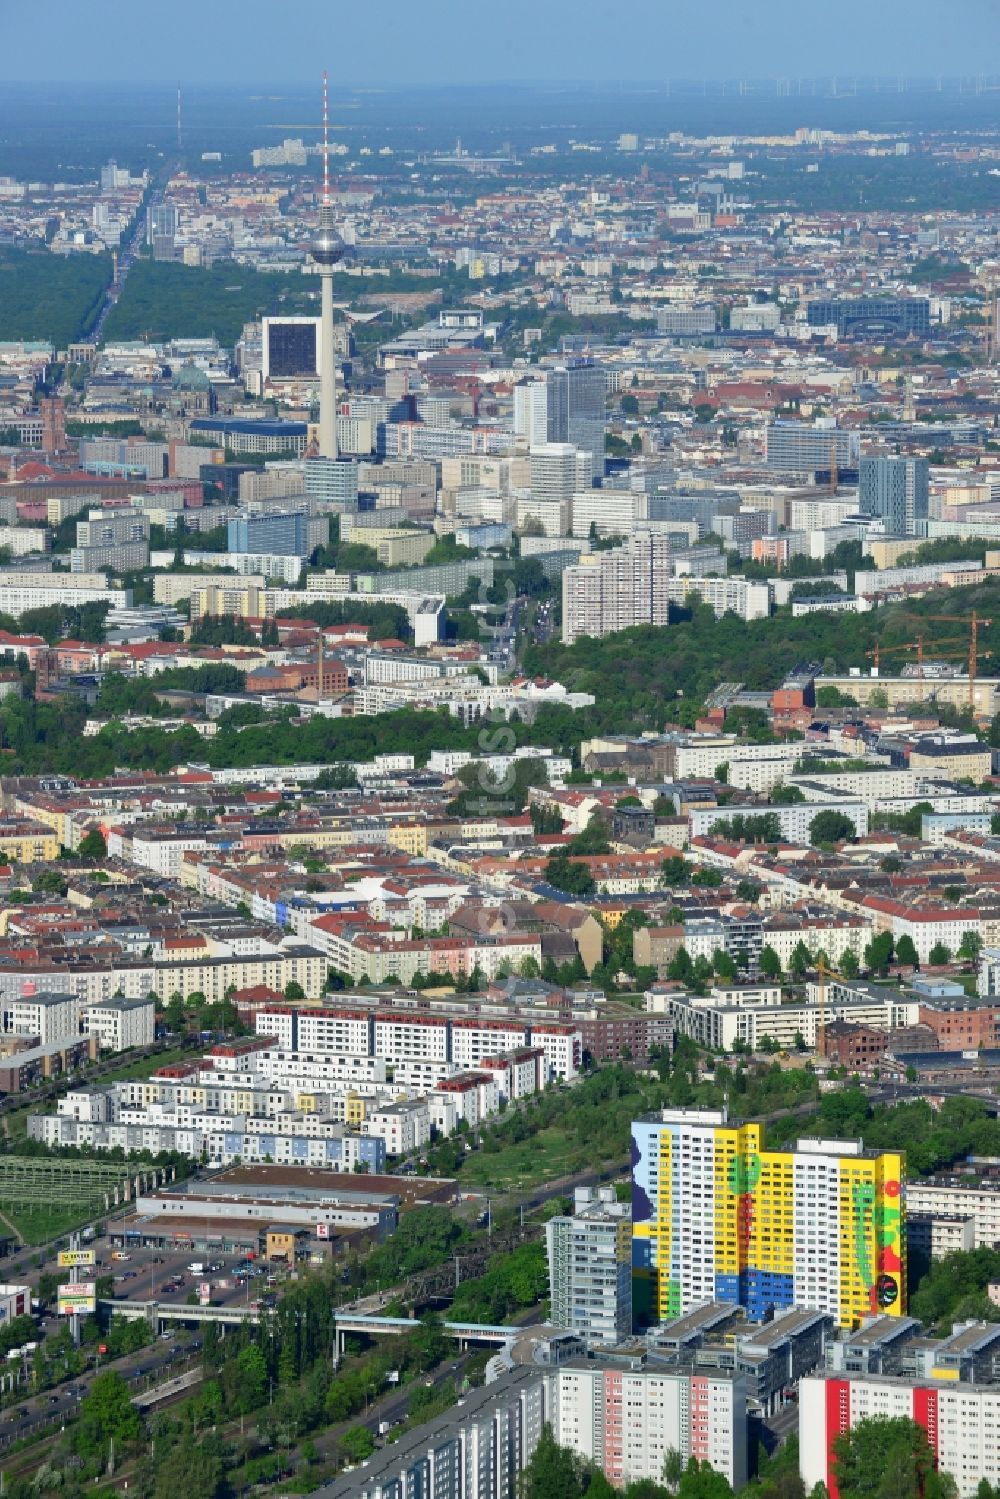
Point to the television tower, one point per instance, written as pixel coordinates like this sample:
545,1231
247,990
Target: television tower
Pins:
327,251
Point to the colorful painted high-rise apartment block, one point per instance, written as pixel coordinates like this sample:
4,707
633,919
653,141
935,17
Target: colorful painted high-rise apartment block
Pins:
717,1217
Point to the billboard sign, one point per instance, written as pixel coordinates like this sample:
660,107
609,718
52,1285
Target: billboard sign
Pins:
79,1300
70,1258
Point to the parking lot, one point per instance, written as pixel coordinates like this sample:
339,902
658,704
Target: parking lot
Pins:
165,1275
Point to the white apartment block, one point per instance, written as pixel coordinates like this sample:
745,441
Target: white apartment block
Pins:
50,1017
794,820
404,1126
610,512
722,1025
558,470
214,976
737,596
962,1422
627,1420
978,1201
120,1024
536,511
20,591
611,591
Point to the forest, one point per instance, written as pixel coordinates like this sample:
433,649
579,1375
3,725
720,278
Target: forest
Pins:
46,296
648,676
167,300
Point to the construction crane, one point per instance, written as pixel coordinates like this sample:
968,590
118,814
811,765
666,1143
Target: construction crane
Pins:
887,650
823,974
975,623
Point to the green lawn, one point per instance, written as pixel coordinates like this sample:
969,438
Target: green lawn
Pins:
39,1226
545,1157
143,1066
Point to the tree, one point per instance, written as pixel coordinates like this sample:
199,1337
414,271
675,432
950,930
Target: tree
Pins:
106,1414
887,1458
247,1380
906,952
357,1443
748,890
769,963
724,966
93,846
849,964
939,955
786,796
681,968
970,946
801,959
878,953
674,871
294,990
569,875
828,828
701,1481
194,1469
49,882
553,1472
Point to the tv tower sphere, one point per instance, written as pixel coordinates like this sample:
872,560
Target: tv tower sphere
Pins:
328,247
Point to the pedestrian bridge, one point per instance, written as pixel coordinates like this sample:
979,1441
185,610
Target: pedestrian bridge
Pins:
156,1313
374,1327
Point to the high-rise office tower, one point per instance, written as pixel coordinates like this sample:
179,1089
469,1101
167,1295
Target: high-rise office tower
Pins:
557,470
715,1216
590,1267
576,409
327,251
283,533
531,413
162,221
895,490
802,447
609,591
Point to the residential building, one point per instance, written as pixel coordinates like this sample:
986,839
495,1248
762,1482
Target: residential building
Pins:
962,1422
795,821
590,1267
53,1018
614,590
717,1217
474,1450
959,1198
626,1419
120,1024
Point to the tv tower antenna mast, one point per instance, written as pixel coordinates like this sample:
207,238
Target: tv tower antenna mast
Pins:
327,251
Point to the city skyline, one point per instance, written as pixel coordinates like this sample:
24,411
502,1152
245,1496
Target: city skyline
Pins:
559,43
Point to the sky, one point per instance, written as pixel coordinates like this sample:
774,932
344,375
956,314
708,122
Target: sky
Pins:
426,42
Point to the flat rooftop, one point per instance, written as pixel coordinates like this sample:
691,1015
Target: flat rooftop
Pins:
410,1191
